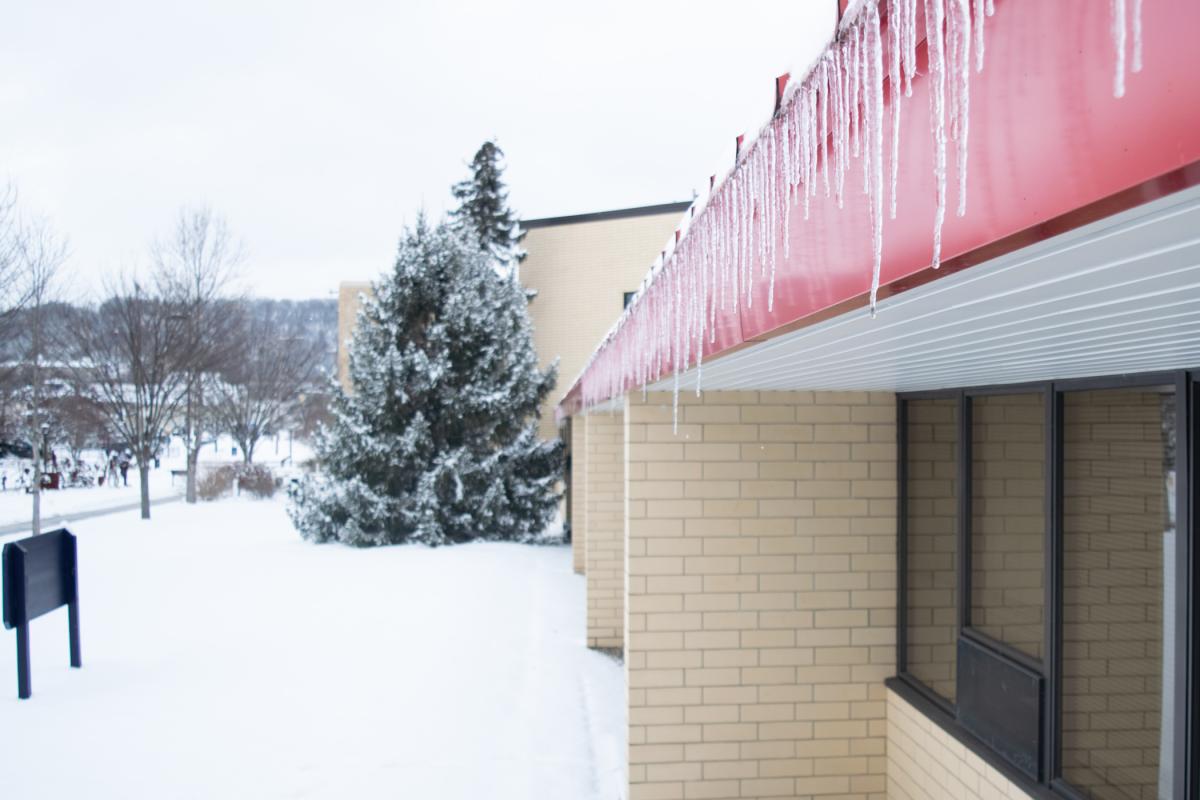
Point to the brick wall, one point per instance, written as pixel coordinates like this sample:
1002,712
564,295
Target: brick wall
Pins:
350,300
926,763
578,480
761,594
605,545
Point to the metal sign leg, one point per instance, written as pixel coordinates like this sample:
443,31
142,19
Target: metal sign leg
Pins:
24,689
73,625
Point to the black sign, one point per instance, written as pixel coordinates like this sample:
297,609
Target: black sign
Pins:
40,575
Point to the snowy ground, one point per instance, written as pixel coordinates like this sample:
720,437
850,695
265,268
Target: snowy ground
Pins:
224,657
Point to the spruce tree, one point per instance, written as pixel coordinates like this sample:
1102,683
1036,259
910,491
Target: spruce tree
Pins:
438,441
483,207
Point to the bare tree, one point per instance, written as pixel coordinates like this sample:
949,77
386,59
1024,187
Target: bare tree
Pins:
40,253
195,267
12,287
261,388
132,353
13,297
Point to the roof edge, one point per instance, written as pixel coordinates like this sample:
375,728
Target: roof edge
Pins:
598,216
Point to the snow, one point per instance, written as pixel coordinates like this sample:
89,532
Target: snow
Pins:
225,657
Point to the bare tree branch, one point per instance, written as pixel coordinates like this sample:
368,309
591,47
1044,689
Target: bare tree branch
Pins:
195,268
258,391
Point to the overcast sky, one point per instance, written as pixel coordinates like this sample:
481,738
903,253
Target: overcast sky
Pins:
319,129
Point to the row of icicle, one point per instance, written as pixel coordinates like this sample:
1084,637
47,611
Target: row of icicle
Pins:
834,115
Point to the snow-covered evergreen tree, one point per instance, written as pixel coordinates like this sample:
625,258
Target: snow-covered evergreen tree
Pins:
483,207
438,442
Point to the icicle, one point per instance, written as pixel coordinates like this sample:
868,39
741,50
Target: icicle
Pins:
789,142
951,56
910,43
866,81
1118,34
934,13
675,355
853,76
875,128
810,137
773,195
979,16
839,116
991,7
894,28
1137,36
961,22
823,96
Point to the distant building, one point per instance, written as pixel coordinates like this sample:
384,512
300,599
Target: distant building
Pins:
350,299
584,269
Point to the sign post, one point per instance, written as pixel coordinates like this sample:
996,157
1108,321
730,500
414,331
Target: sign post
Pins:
40,575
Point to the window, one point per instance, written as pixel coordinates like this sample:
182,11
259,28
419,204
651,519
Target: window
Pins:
1118,548
932,475
1008,519
1045,570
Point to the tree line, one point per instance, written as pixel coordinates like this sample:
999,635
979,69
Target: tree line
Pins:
170,348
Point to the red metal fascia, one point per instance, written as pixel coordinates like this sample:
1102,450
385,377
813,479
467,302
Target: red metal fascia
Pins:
1048,140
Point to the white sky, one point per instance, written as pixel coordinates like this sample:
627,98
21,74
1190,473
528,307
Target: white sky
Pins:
318,129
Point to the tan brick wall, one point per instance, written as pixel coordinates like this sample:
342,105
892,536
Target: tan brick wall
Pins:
761,594
1114,520
350,296
606,530
926,763
581,271
578,480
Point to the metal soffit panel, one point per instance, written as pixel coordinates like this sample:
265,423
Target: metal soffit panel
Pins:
1121,295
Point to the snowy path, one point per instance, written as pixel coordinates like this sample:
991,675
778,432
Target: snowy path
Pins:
224,657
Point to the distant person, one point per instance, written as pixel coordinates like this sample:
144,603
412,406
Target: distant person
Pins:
4,482
113,472
125,470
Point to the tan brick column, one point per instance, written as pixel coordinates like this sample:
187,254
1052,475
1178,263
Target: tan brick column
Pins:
605,545
578,491
761,594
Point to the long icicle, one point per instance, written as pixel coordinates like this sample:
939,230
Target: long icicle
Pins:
1136,65
875,83
1118,35
935,38
962,96
979,17
894,29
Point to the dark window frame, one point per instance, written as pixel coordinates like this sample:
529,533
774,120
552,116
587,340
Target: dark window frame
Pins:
1186,742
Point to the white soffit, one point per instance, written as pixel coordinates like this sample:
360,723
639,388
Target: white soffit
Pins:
1121,295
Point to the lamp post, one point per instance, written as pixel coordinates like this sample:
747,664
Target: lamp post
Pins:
39,461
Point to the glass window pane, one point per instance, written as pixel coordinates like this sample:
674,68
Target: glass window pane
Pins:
932,520
1118,568
1008,519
